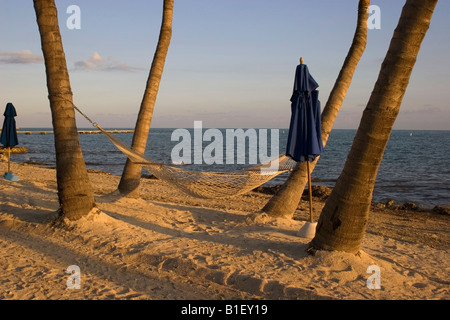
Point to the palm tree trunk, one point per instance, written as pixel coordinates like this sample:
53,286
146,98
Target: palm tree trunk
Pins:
343,221
286,200
75,192
129,183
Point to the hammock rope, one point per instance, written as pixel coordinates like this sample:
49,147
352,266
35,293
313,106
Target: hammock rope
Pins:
201,184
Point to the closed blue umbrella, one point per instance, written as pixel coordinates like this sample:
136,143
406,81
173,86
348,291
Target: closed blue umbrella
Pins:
8,137
305,139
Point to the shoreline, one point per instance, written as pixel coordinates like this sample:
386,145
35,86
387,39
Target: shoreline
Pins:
395,181
169,246
321,191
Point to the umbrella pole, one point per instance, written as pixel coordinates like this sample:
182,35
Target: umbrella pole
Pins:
310,194
9,159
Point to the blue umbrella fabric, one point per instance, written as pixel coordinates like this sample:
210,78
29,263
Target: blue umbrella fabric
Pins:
8,137
304,141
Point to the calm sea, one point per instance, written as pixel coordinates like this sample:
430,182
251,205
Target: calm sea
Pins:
415,166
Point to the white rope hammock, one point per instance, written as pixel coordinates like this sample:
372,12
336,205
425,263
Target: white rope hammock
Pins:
205,184
202,184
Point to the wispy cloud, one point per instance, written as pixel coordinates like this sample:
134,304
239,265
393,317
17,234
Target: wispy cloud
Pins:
98,63
21,57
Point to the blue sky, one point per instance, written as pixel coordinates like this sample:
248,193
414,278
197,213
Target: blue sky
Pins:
231,63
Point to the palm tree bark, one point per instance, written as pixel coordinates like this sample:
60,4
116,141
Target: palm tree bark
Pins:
75,192
286,200
130,180
343,220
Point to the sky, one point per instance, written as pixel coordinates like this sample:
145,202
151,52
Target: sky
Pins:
231,63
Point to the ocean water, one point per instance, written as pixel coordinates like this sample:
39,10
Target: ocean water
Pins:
415,166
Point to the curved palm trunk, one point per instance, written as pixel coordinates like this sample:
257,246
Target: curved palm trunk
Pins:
343,221
131,176
285,201
75,192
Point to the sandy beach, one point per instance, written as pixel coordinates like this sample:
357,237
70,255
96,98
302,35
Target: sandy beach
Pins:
169,246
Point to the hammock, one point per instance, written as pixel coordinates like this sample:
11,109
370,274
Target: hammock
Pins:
201,184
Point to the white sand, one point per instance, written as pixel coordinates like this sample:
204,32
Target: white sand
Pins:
169,246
